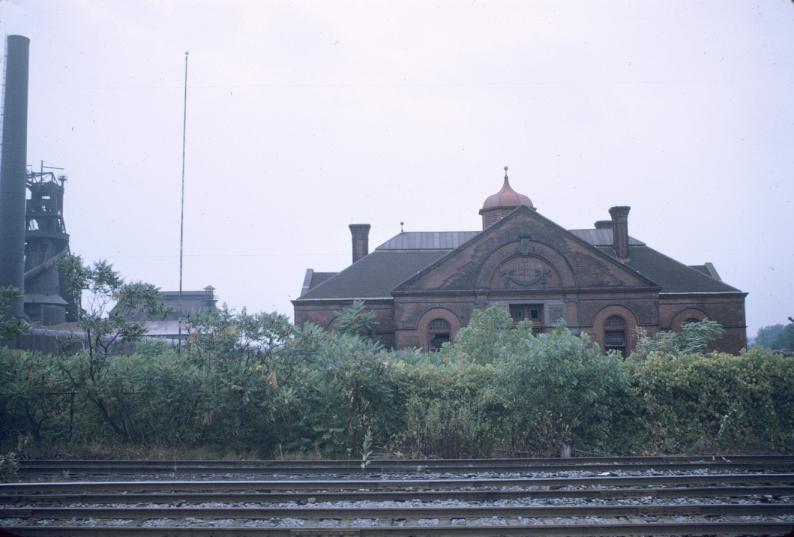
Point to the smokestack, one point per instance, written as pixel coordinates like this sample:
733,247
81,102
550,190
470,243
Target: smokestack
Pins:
360,233
620,231
13,166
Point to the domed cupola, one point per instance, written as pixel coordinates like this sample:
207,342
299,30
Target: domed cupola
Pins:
498,205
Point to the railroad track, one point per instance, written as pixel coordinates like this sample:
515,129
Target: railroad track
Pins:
607,529
698,503
346,467
398,484
302,498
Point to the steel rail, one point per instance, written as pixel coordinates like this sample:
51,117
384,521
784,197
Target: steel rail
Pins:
616,529
318,497
400,513
414,462
125,468
394,484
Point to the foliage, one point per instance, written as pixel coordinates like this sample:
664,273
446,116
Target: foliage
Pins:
9,465
351,387
449,410
255,384
777,337
109,323
356,320
247,365
10,326
694,337
490,337
559,391
36,403
113,305
716,402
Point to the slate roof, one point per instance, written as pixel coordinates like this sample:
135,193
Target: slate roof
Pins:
405,254
320,277
374,275
599,237
428,240
672,276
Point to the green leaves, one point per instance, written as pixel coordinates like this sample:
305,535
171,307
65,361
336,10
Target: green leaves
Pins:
776,337
356,320
254,383
559,390
10,326
694,337
716,402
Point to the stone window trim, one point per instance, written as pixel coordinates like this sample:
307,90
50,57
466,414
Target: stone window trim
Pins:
686,315
433,315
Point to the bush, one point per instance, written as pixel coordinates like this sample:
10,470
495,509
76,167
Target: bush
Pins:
716,402
255,384
449,411
347,388
9,465
561,391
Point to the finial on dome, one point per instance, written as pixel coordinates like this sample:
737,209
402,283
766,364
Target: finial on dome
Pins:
501,203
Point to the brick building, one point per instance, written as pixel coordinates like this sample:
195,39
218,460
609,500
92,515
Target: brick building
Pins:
424,286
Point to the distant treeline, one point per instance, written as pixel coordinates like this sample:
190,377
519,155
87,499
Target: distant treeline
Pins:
256,384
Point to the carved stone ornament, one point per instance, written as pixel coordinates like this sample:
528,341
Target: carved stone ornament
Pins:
525,272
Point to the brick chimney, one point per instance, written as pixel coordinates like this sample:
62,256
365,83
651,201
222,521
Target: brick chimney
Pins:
360,235
620,231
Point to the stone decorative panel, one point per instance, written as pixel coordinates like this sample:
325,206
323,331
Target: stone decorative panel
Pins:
524,272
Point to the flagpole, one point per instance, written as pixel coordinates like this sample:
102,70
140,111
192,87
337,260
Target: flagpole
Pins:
182,211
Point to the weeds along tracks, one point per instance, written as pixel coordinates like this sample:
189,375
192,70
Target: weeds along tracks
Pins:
747,499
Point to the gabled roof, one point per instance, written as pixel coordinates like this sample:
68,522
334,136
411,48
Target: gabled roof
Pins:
521,212
406,254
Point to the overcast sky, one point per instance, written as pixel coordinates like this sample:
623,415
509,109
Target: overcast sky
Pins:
306,116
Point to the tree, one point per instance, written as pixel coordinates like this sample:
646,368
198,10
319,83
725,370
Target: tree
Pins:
490,337
112,305
693,338
108,322
10,325
776,337
357,320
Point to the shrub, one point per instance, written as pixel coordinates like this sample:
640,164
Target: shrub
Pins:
559,391
256,384
716,402
449,411
9,465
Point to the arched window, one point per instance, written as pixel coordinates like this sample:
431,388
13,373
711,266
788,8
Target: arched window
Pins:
691,320
615,334
438,332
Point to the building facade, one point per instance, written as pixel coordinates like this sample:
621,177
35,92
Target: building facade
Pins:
170,320
424,286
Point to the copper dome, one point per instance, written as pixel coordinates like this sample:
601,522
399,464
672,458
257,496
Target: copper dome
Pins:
506,198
